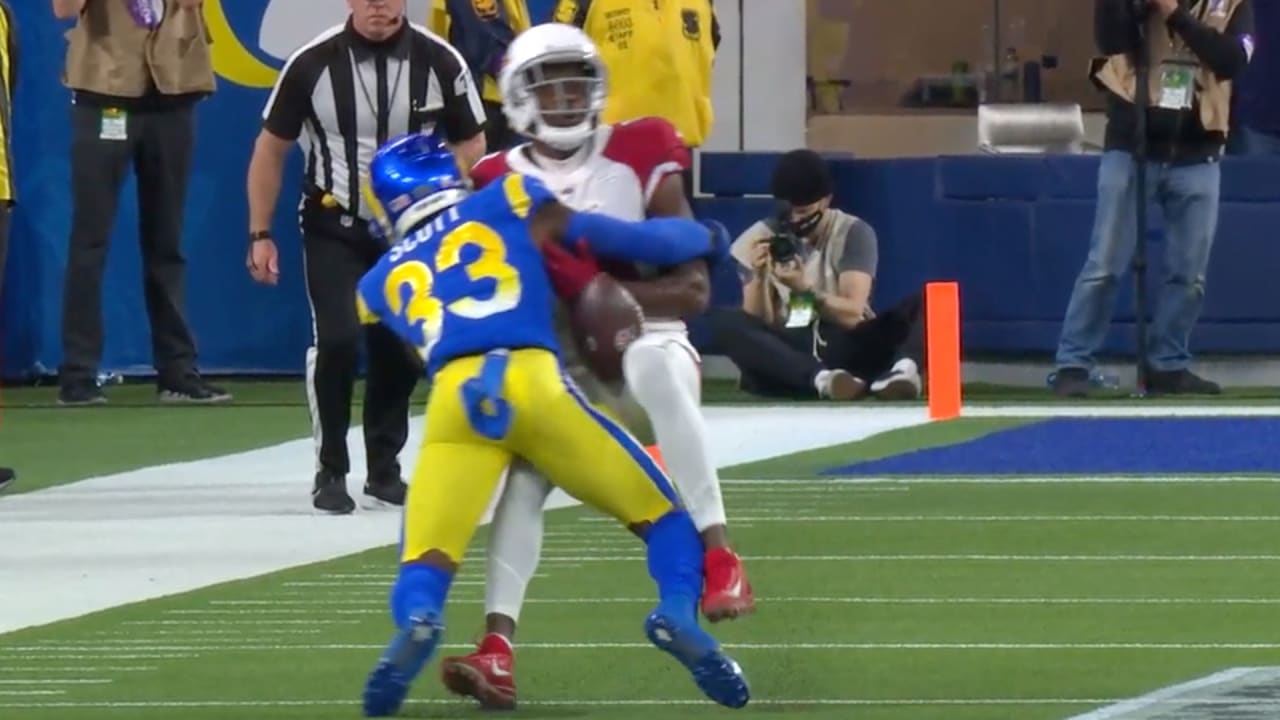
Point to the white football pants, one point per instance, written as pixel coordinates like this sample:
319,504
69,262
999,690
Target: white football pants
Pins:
663,376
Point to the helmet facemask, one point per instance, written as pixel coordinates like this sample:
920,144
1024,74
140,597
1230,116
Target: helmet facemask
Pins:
558,100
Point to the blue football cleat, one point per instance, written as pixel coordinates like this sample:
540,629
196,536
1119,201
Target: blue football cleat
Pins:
410,651
717,675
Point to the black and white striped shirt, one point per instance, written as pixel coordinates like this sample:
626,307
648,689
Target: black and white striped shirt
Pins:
342,97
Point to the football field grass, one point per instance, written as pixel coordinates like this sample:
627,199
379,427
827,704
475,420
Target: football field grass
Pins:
886,600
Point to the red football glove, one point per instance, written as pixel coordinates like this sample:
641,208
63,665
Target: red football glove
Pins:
570,272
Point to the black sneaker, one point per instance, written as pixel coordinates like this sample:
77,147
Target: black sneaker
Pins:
81,393
384,493
7,476
191,389
1179,382
1071,382
330,494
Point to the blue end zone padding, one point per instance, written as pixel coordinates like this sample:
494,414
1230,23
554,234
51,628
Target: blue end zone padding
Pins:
734,174
1096,446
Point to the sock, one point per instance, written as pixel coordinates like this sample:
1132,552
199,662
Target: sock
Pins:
675,563
419,589
664,378
515,541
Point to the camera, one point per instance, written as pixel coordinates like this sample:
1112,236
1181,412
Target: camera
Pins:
784,246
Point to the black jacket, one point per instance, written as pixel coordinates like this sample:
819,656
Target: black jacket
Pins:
1172,135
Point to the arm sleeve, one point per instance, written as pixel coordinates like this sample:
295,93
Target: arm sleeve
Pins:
861,250
1115,26
464,114
290,102
657,241
1226,54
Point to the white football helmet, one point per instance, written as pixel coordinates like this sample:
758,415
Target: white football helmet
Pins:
567,121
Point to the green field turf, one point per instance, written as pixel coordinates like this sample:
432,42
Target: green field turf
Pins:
964,601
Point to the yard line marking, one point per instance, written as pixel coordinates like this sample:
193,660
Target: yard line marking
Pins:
1010,480
236,622
782,516
131,655
384,576
77,668
869,702
822,600
212,633
961,557
68,681
32,692
385,582
735,646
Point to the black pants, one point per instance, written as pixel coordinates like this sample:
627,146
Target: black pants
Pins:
158,146
781,362
336,255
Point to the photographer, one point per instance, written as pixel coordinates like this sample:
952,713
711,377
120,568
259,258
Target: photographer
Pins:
806,327
1194,51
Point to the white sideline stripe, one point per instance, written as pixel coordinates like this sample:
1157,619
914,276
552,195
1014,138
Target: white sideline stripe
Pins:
68,681
837,601
997,518
1160,697
24,650
31,692
385,582
384,576
868,702
1105,410
1010,480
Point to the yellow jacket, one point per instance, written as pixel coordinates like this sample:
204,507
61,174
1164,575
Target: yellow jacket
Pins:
659,54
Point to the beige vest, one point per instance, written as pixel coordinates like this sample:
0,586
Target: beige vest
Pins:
820,267
1118,74
109,54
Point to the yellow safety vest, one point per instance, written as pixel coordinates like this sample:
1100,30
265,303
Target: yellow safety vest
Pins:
659,54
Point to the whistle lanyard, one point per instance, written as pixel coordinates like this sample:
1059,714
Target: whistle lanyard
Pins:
370,102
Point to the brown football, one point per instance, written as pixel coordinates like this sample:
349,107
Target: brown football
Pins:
605,320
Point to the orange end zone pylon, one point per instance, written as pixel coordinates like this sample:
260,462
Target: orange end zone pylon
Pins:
942,344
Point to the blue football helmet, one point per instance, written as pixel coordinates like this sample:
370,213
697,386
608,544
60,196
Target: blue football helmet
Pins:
412,179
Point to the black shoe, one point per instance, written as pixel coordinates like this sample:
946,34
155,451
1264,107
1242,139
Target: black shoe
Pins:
7,476
191,389
1179,382
1071,382
385,493
81,393
330,494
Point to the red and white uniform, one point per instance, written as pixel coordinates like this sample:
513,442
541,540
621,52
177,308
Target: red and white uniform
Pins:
615,174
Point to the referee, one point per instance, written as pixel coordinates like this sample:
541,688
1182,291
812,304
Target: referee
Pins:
340,97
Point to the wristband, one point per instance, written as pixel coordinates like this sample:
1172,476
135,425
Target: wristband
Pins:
259,235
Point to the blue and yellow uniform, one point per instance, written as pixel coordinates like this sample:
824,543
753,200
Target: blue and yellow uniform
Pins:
470,290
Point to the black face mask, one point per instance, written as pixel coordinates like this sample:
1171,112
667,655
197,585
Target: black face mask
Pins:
805,227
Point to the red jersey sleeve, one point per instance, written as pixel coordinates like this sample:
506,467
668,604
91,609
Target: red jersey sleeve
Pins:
490,168
652,148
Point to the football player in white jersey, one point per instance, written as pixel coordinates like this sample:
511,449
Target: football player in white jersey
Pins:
554,89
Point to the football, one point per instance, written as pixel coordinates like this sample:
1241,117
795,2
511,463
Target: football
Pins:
605,320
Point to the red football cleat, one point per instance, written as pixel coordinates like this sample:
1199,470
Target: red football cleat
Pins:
727,593
486,674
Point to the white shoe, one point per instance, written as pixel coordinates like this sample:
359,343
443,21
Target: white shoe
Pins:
839,385
902,382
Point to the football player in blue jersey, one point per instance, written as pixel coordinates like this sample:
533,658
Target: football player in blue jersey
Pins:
467,284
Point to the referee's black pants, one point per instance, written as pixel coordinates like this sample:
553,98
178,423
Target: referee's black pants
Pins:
337,251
